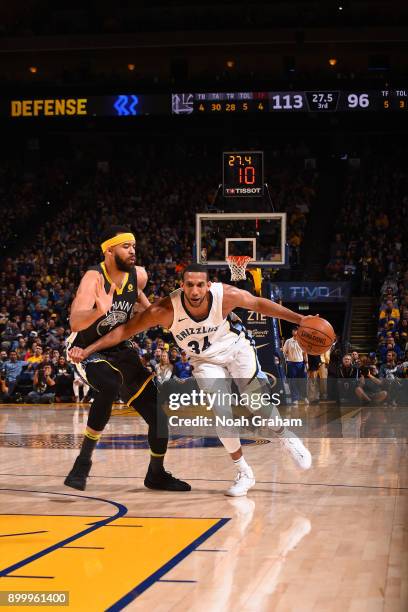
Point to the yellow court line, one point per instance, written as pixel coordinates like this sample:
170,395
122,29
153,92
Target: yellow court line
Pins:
104,566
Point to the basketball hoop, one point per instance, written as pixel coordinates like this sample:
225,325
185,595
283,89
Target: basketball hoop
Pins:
237,265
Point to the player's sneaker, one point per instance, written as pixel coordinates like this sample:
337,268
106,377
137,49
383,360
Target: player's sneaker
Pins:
164,481
76,479
243,482
295,447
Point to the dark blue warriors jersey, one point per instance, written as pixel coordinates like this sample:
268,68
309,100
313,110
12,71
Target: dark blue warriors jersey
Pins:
121,311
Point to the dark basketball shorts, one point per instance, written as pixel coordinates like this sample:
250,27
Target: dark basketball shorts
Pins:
135,377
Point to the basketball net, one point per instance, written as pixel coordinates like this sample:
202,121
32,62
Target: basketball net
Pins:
237,265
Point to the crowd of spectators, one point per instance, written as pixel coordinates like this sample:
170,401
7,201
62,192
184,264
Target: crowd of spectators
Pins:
294,192
343,375
38,285
31,374
22,193
369,249
381,375
370,226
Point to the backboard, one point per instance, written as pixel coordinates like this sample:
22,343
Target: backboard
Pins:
261,236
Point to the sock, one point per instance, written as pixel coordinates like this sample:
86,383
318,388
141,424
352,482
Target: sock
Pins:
88,444
156,463
242,465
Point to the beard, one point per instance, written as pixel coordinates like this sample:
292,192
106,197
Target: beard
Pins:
123,265
197,303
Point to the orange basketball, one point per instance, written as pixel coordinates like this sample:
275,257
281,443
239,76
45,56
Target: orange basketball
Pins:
315,335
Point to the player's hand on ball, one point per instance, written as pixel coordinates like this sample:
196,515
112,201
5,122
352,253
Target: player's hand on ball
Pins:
103,300
77,354
305,317
315,335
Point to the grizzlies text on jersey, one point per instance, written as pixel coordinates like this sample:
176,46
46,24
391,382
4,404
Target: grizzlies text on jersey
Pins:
209,337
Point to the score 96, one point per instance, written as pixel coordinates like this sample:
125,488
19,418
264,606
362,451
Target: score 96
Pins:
358,100
246,171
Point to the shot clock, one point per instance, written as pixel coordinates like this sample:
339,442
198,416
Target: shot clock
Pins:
243,174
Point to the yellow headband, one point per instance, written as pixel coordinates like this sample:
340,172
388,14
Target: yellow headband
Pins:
119,239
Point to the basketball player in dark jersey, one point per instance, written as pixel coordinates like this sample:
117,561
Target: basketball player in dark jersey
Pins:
107,297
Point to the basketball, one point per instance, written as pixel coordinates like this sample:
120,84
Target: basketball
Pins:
315,335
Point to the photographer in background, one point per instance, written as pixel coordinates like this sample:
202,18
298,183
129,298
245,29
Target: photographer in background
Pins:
390,371
369,388
43,386
64,378
347,380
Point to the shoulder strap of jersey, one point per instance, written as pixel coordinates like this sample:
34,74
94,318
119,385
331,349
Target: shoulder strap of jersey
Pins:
175,297
133,278
217,291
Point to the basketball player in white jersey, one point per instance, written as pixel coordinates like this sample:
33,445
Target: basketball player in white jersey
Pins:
200,317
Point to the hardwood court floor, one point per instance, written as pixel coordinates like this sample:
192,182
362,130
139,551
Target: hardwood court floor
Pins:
331,539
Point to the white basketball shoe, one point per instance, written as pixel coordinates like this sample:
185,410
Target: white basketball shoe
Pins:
295,447
243,482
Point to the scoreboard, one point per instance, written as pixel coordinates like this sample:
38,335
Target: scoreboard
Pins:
291,101
132,105
242,174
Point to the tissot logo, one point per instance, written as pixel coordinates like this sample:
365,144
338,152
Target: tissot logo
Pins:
246,190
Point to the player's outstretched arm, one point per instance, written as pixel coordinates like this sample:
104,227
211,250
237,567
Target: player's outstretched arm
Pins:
238,298
157,314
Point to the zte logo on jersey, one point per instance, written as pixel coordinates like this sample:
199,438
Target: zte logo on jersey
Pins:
246,190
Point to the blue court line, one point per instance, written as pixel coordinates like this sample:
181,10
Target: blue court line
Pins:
9,535
211,550
121,511
181,518
311,484
163,580
156,576
85,547
303,484
18,576
133,526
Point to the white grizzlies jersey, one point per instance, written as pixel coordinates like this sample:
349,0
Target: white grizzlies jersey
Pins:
208,337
